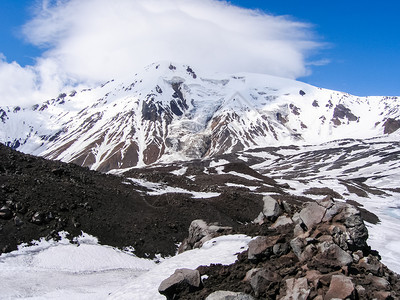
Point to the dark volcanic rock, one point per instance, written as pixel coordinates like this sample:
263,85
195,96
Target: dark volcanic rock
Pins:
50,196
342,112
5,213
391,125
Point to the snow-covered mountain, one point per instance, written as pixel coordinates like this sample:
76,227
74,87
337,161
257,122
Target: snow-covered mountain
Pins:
257,136
172,112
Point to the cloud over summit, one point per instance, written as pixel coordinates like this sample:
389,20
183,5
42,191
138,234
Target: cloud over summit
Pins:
96,40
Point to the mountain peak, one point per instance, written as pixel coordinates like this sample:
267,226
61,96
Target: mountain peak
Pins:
172,111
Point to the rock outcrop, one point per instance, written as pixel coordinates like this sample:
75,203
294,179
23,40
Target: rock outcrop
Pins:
319,252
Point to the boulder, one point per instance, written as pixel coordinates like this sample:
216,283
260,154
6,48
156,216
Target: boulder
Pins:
313,277
349,230
226,295
250,274
341,287
371,264
5,213
262,247
38,218
361,291
298,230
332,255
312,214
201,232
282,221
271,210
280,249
379,282
265,280
181,280
298,244
358,233
382,295
18,221
297,289
333,210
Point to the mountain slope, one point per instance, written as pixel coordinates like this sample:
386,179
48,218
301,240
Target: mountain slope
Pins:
170,112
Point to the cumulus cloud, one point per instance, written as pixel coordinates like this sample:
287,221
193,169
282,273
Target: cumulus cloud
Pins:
96,40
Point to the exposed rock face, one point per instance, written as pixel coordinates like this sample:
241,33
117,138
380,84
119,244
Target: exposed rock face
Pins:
342,112
391,125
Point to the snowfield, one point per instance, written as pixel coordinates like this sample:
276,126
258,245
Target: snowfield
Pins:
84,269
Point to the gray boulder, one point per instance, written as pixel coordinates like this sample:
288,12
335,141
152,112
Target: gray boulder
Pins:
282,221
226,295
181,280
271,210
312,214
331,254
297,289
201,232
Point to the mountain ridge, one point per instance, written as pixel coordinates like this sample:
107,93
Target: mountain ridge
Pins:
171,112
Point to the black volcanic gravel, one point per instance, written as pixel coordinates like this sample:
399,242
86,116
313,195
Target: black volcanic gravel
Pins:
41,198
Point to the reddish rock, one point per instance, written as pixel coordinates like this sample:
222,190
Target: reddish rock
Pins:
341,287
312,214
382,295
262,247
313,276
297,289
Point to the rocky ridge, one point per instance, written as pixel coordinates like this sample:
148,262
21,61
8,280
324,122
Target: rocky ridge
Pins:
320,251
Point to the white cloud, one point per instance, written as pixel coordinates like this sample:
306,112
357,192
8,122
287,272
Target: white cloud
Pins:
96,40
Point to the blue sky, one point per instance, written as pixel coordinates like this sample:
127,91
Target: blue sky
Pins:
361,40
